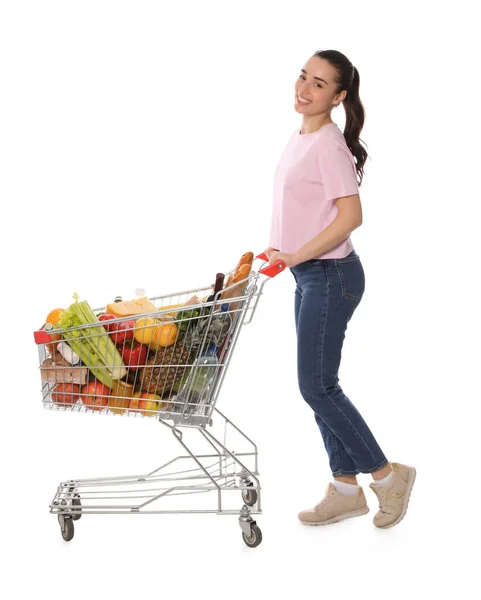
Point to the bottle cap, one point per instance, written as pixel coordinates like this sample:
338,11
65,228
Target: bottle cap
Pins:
224,307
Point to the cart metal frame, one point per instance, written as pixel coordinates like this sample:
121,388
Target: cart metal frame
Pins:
215,474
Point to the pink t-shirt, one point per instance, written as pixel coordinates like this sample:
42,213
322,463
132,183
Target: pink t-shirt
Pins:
314,170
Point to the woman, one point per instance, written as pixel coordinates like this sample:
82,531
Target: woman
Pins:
316,207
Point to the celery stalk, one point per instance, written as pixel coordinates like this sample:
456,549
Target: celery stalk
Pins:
93,344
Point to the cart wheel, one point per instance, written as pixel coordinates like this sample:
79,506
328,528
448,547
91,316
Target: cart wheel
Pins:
249,496
67,530
255,538
76,502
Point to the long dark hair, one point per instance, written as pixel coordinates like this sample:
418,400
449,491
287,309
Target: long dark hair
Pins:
348,79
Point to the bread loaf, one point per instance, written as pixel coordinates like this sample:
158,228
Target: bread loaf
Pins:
246,259
241,272
239,282
228,283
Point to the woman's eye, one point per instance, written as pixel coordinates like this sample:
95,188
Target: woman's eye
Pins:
318,84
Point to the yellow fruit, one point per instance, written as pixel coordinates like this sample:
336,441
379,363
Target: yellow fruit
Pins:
149,407
144,329
170,313
146,403
155,333
164,336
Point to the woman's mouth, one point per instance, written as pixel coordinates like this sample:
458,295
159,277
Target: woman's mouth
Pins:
301,101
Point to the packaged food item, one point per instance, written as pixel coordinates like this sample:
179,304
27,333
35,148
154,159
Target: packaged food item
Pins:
240,276
67,353
55,369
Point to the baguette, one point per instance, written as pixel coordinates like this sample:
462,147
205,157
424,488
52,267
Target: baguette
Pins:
245,260
228,283
239,282
242,273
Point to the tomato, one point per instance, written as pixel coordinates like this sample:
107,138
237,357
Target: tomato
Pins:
66,393
95,395
107,317
119,332
134,354
122,331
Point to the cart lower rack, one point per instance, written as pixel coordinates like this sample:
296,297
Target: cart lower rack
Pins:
187,341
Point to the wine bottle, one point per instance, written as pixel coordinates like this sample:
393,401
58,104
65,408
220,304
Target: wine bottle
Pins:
219,283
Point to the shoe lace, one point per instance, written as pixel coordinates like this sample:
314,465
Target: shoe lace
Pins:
326,498
380,493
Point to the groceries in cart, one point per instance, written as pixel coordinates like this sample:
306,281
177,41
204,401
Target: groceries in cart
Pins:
166,357
143,356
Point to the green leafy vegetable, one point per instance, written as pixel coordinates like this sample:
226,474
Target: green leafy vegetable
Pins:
184,317
92,343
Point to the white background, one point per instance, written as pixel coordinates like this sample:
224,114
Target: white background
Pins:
138,146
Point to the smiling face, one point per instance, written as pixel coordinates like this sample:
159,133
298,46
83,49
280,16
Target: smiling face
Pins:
315,84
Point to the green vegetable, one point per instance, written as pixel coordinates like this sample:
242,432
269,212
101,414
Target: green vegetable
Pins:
185,317
93,344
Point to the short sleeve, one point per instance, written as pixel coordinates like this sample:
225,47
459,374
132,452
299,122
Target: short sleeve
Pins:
338,174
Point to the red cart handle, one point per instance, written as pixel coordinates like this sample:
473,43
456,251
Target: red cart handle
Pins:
274,269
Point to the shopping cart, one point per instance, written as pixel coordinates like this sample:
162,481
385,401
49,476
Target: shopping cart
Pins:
164,387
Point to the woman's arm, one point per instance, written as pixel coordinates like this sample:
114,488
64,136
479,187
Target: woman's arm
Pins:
349,217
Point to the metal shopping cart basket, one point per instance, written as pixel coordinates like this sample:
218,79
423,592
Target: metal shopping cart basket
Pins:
190,338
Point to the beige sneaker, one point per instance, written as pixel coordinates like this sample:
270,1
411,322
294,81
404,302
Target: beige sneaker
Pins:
335,507
394,498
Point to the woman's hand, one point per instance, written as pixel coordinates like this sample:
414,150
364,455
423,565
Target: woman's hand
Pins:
269,250
289,259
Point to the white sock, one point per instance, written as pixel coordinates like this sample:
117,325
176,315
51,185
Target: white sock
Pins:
349,489
384,481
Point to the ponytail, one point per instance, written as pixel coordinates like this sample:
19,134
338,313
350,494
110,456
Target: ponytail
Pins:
348,79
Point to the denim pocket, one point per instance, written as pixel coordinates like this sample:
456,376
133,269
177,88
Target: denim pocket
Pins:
351,277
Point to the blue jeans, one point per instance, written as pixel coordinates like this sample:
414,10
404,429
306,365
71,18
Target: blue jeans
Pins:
327,293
